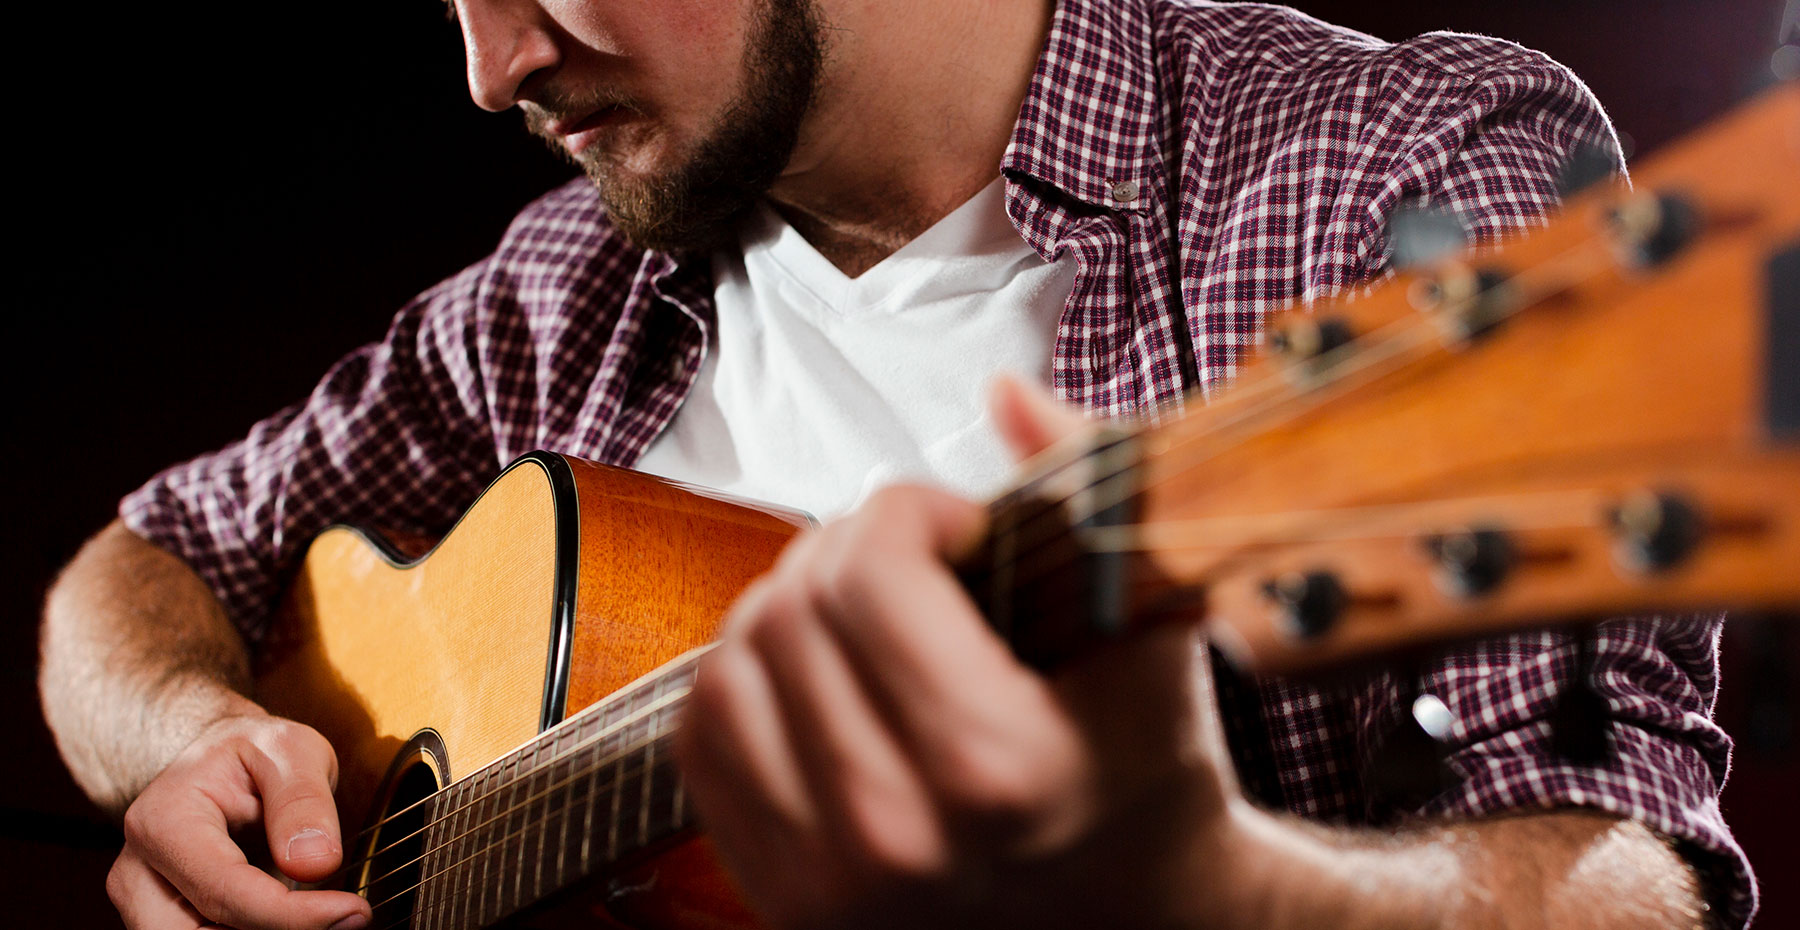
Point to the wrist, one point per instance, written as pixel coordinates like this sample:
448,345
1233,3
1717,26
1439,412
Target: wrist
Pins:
1289,873
1250,855
182,711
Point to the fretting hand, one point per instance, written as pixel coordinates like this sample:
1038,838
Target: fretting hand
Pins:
866,752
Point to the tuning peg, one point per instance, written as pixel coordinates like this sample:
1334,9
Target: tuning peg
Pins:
1581,721
1650,229
1587,166
1654,531
1411,766
1420,236
1470,562
1307,603
1303,338
1468,301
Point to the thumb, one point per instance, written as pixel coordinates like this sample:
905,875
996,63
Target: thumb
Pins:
1028,418
294,776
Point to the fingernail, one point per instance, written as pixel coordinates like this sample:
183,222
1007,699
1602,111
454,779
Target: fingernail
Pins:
310,844
353,922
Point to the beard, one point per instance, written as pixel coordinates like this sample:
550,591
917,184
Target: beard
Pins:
694,205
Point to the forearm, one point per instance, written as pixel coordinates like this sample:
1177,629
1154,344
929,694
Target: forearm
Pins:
138,656
1574,869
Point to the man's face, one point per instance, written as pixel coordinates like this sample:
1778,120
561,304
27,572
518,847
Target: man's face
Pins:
682,112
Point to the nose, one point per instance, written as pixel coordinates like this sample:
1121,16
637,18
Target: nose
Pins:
506,42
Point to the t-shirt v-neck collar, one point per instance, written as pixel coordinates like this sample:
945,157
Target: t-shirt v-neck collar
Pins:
974,236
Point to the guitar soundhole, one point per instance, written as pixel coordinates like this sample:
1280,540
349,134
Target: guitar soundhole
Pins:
395,851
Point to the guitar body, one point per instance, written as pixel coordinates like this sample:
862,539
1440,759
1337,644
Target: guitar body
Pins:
562,584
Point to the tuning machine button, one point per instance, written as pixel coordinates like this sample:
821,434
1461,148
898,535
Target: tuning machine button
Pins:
1468,301
1470,562
1649,229
1307,603
1654,531
1304,338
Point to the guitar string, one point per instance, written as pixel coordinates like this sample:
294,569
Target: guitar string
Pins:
1115,488
1335,376
1049,509
1541,510
499,843
658,706
489,843
659,828
674,669
624,773
452,895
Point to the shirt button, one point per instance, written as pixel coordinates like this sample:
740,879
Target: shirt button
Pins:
1125,192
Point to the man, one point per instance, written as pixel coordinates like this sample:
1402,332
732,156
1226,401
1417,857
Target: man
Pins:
781,191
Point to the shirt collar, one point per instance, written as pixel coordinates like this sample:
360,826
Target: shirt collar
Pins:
1089,125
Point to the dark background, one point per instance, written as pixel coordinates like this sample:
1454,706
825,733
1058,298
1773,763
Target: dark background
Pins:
219,200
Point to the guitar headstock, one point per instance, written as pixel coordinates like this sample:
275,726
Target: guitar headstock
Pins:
1595,419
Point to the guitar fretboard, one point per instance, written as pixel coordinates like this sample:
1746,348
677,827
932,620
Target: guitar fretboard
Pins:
578,798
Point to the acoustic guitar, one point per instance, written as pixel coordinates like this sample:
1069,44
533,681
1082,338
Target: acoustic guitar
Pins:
1600,418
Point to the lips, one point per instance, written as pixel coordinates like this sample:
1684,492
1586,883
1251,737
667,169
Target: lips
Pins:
581,133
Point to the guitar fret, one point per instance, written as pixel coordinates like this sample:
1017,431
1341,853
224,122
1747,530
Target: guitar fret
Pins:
471,791
568,804
433,870
481,848
538,775
441,865
618,769
644,782
587,822
508,835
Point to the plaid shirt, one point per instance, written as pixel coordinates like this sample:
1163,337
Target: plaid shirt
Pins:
1204,164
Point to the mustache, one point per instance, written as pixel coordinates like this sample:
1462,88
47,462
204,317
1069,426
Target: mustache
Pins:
555,106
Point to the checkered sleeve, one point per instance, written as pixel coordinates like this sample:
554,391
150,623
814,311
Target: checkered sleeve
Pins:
1666,758
1492,152
392,437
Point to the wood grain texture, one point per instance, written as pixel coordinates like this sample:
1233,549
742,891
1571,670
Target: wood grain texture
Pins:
661,564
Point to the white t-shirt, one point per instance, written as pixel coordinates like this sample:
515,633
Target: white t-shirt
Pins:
818,388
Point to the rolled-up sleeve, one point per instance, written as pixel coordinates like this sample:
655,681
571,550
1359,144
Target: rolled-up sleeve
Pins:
1666,758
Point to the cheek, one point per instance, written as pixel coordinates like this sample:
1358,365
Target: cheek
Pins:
662,42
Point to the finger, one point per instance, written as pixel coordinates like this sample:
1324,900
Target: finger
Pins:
733,757
961,705
299,814
884,583
144,900
733,746
1028,418
873,805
